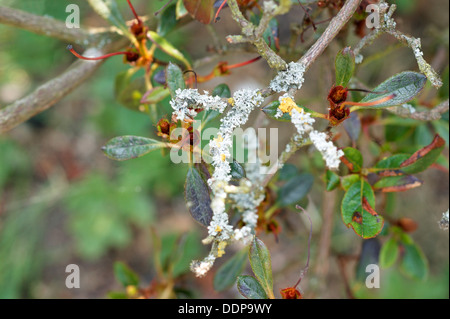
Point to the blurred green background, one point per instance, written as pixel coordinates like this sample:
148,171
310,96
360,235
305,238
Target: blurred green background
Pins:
63,202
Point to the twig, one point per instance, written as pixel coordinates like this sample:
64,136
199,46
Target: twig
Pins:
431,115
46,95
333,28
42,25
388,26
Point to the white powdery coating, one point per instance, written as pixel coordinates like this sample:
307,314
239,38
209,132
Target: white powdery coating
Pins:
200,268
409,107
245,101
292,78
329,152
187,100
443,223
244,235
303,121
219,227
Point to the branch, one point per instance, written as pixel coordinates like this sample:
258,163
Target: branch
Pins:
42,25
388,26
54,90
334,27
332,30
431,115
46,95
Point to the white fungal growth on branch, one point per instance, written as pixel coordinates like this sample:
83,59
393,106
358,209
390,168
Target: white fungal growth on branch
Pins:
291,78
303,123
329,152
245,198
188,100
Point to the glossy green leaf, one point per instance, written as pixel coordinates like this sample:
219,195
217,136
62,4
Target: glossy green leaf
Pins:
167,47
260,262
174,78
125,275
167,20
227,274
197,197
201,10
406,86
123,148
353,159
237,171
250,288
349,180
414,263
389,253
332,180
361,218
345,66
295,189
109,11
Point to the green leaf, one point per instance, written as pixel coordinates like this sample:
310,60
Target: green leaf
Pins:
389,253
287,171
237,171
123,148
402,164
227,274
261,265
414,263
295,189
197,197
201,10
109,11
125,275
357,210
349,180
250,288
167,47
353,159
345,66
222,90
397,183
174,78
406,86
167,20
332,180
